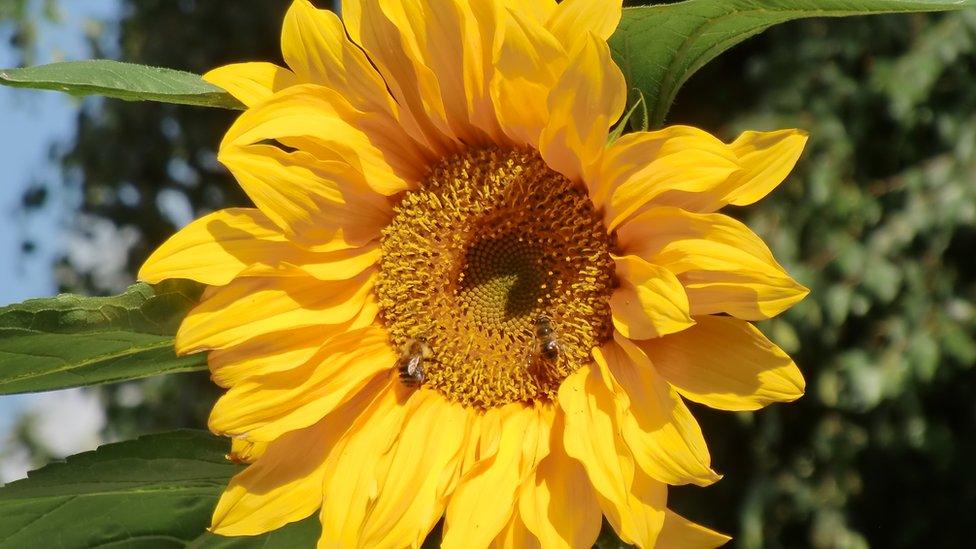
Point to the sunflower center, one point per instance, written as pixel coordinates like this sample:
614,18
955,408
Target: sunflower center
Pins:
502,268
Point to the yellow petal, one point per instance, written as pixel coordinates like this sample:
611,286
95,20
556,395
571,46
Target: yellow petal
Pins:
588,98
484,499
656,425
681,533
641,166
312,202
340,264
724,266
245,451
514,535
557,504
352,18
267,353
471,447
454,40
280,351
539,10
767,158
248,307
527,65
764,158
314,44
224,244
217,247
352,467
387,32
574,19
273,492
414,479
632,502
251,83
320,122
727,364
285,484
590,437
650,301
264,408
646,504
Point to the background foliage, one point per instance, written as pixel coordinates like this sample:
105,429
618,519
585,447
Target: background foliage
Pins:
878,219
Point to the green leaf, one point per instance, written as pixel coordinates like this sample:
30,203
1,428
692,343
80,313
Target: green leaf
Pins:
635,117
121,81
304,533
660,47
72,341
156,491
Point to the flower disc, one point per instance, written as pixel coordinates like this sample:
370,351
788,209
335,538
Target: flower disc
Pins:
492,241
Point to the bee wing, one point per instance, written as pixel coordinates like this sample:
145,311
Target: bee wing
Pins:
413,365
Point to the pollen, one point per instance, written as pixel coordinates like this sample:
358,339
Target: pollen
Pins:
490,243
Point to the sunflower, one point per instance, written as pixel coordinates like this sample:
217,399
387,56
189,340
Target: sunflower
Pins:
457,299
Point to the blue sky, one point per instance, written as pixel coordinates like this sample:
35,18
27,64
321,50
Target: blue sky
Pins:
30,121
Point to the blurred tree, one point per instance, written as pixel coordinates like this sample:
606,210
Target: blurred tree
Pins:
142,170
19,20
878,220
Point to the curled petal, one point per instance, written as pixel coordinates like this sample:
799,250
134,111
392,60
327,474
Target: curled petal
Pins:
573,19
641,166
650,301
315,46
217,247
514,535
229,243
586,100
249,306
435,58
251,83
632,502
273,352
688,168
681,533
414,478
727,364
322,123
263,408
484,499
538,10
313,202
353,467
527,65
765,159
660,431
284,484
724,266
543,499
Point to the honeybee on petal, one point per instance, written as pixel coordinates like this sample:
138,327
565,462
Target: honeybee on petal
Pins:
410,366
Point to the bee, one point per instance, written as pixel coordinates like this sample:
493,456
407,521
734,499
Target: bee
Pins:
548,344
410,366
544,341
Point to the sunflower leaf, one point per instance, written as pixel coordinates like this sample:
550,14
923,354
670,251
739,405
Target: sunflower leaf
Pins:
72,341
660,47
155,491
628,121
121,81
304,533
